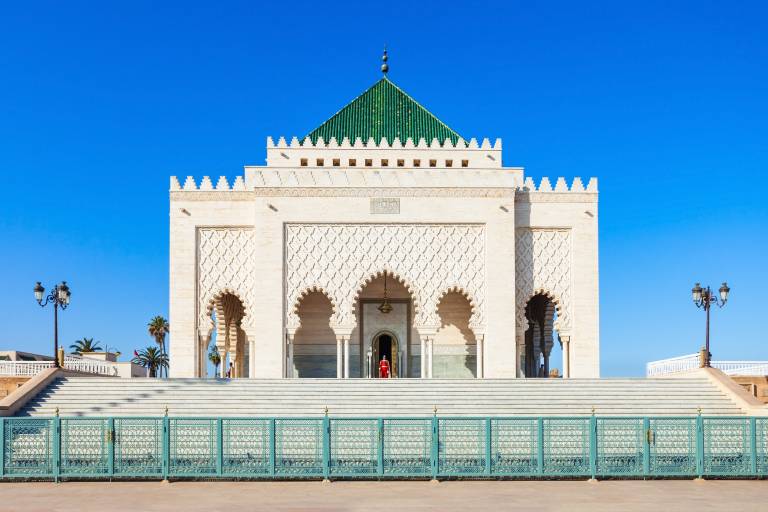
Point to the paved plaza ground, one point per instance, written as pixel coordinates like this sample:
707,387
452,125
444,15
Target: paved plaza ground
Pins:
673,496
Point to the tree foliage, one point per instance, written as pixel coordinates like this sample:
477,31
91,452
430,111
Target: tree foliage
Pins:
85,345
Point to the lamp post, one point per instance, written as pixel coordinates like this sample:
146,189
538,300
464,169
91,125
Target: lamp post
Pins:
59,297
704,298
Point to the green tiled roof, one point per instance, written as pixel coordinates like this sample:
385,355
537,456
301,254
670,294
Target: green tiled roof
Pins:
384,110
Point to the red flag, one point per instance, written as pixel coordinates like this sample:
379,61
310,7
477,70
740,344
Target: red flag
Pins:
135,353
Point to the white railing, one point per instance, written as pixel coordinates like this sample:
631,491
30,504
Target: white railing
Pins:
672,365
71,362
86,365
23,368
748,368
691,362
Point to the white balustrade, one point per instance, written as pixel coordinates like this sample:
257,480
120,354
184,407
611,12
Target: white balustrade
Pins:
691,362
672,365
86,365
23,368
758,368
71,362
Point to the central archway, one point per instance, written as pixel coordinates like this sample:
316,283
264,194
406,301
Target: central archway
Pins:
372,321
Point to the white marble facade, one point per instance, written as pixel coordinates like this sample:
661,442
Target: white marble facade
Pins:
284,267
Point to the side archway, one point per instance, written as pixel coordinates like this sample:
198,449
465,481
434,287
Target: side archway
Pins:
313,345
454,349
226,311
540,336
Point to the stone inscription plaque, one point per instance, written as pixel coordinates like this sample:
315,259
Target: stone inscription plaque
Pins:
385,205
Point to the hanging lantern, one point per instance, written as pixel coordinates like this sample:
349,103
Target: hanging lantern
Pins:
385,307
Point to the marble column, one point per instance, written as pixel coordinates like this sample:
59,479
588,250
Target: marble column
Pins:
202,365
566,356
289,354
339,357
346,357
423,346
251,356
520,347
223,357
479,355
431,351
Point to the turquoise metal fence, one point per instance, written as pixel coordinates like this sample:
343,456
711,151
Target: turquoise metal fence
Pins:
343,448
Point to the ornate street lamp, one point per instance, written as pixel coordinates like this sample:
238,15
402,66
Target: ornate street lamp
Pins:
59,297
704,298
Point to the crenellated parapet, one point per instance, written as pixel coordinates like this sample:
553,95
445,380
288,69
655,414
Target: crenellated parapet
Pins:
506,181
396,143
482,154
206,184
545,185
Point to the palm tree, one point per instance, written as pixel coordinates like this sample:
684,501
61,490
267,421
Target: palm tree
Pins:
158,328
215,358
152,359
85,345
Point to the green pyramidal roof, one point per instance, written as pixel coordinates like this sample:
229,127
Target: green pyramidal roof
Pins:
384,110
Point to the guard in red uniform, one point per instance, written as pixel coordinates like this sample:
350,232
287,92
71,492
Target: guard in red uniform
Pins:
383,368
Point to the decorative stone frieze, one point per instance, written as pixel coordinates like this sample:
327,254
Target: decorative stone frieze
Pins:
428,258
225,262
543,265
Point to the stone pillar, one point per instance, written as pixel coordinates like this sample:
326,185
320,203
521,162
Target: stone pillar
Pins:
431,350
202,363
339,357
251,356
289,353
479,355
426,337
346,357
566,356
423,344
520,356
223,357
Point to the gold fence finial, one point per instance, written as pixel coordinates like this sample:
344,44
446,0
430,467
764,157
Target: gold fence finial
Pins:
56,412
326,410
593,410
698,409
434,411
166,410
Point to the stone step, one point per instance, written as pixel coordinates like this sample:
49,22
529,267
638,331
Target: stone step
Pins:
372,397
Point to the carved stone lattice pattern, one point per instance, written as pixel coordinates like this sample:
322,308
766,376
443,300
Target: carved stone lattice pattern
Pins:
340,259
543,265
225,262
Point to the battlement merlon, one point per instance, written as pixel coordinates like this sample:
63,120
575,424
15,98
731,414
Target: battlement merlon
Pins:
434,153
510,180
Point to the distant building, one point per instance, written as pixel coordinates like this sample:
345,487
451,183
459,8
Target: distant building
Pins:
17,355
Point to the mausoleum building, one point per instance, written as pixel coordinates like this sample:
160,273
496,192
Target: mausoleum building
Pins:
384,233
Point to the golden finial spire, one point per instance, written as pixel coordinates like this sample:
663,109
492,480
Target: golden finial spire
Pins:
384,59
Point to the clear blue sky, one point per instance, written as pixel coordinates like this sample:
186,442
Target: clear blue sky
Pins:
665,102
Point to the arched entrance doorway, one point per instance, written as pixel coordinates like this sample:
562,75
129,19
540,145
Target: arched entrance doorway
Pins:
373,321
228,337
385,344
540,337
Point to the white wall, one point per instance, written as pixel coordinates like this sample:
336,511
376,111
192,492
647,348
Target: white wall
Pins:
276,199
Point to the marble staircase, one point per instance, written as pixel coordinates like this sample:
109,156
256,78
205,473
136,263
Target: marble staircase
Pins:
96,396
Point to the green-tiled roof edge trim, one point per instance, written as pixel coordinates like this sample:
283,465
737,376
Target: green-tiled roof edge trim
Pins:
384,110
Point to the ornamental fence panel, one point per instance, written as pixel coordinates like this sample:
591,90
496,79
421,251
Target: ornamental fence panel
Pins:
431,447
